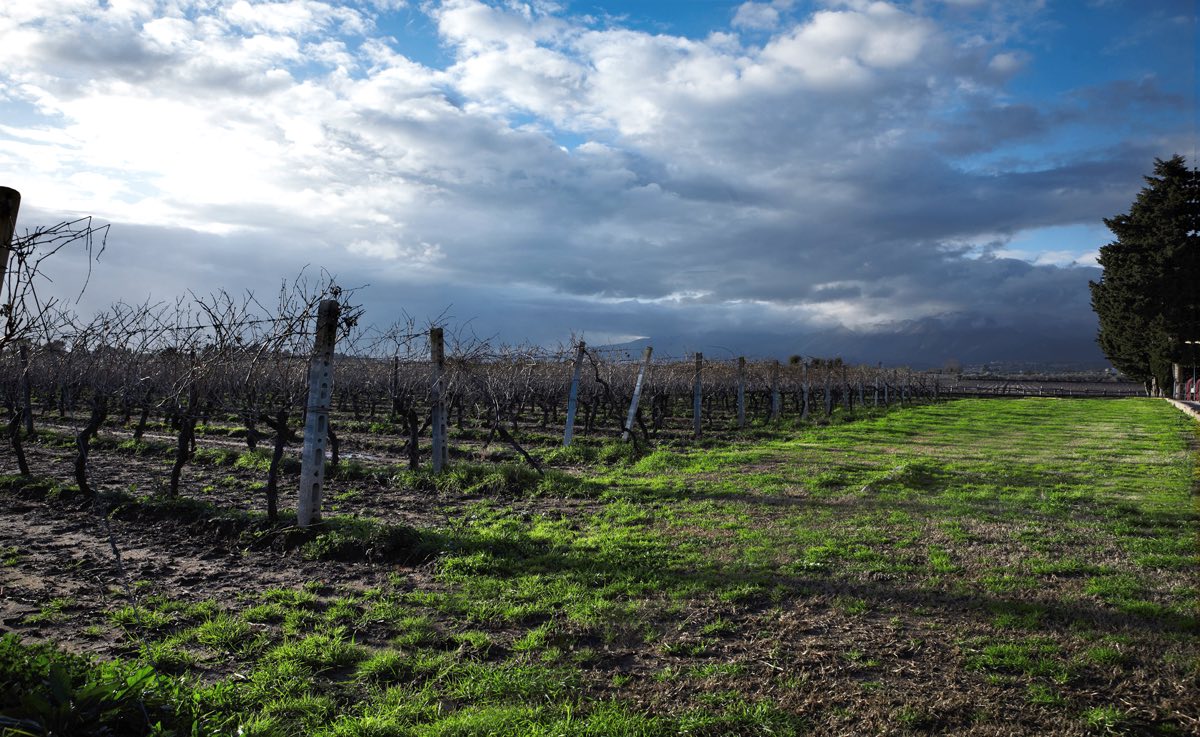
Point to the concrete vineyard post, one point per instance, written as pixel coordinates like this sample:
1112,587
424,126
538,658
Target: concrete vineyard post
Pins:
573,396
316,415
741,392
804,410
696,395
26,394
776,399
10,203
637,394
394,385
437,421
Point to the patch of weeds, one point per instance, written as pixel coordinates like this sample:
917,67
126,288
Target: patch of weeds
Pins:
941,561
915,719
168,656
219,457
344,610
1106,720
690,649
851,605
415,631
1031,657
386,666
52,612
1016,615
320,651
224,633
742,593
1042,695
669,673
1105,655
1006,583
348,495
858,657
718,626
264,613
10,556
290,598
143,618
358,538
58,693
473,642
533,640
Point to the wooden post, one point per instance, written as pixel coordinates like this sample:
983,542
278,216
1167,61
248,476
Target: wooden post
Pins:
316,415
573,396
26,393
437,421
10,203
776,400
741,393
697,395
637,394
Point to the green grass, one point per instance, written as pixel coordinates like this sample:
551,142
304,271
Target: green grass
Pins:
1038,548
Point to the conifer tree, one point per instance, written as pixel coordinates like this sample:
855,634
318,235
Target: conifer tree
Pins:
1148,299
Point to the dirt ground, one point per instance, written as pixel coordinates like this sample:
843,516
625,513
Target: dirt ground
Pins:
898,668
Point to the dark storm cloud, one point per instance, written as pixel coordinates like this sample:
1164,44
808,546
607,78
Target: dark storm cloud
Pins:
859,171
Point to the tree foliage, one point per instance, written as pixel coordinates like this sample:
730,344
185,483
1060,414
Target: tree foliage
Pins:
1148,299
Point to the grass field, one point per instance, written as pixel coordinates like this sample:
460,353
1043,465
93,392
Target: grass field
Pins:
980,567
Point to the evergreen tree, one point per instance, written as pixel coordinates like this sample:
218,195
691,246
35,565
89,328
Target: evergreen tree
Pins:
1148,299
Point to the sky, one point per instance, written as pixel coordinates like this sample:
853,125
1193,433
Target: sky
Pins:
911,182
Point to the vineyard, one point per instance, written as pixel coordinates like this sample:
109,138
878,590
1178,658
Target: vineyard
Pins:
228,517
218,375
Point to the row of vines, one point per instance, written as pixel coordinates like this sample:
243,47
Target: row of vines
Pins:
235,367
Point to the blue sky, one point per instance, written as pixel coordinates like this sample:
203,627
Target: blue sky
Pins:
834,174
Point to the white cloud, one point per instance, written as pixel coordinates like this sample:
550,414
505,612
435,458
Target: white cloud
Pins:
756,16
559,155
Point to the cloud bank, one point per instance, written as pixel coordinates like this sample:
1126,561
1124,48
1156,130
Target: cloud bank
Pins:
849,168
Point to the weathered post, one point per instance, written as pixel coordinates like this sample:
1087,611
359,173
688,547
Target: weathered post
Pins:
437,421
807,395
637,394
26,393
573,395
1177,381
394,387
10,203
776,399
741,393
696,395
316,415
828,391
